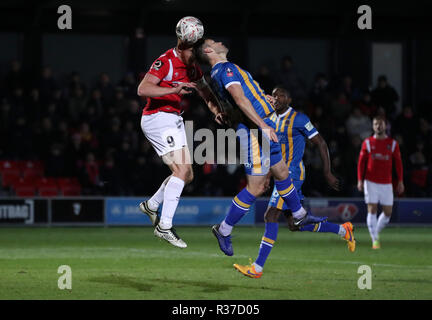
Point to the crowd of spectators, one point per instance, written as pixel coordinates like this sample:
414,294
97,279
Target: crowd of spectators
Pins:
92,132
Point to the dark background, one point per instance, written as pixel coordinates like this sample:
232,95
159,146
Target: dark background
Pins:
121,38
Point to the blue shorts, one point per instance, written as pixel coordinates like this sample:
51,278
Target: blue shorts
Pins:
258,153
277,201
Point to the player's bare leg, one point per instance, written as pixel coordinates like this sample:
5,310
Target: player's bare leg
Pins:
179,163
372,223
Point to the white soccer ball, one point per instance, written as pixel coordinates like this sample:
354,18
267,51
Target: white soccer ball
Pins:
189,29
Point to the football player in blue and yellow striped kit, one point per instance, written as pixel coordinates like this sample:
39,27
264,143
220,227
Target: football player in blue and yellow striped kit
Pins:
292,129
236,86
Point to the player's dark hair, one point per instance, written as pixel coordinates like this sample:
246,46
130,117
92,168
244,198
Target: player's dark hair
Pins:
282,88
199,53
379,118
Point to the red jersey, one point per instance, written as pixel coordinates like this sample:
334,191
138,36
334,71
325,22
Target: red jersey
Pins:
376,160
171,71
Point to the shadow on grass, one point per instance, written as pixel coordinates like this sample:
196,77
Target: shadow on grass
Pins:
207,287
122,281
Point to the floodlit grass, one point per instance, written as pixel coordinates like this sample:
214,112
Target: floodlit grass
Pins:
130,263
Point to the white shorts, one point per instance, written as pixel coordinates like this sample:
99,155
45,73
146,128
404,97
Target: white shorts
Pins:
165,131
378,193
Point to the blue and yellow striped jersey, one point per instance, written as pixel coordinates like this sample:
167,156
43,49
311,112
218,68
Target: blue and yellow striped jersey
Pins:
292,128
225,74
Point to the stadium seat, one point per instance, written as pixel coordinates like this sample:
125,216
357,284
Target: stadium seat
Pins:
10,172
8,178
7,165
24,187
69,186
31,168
47,187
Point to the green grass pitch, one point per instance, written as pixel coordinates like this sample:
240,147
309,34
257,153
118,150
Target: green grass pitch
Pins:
130,263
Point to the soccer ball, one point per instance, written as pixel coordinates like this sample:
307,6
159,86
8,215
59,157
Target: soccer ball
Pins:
189,29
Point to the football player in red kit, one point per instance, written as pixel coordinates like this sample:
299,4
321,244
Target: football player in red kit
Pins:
374,173
171,76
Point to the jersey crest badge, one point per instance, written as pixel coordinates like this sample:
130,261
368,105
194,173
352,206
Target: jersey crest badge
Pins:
157,64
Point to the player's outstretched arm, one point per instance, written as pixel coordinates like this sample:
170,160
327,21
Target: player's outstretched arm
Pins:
209,97
318,141
149,87
245,105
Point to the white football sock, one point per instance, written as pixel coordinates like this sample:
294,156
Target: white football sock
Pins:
258,268
371,221
225,229
299,213
383,220
342,231
155,201
173,190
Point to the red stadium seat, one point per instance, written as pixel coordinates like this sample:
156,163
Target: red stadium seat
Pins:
31,168
9,166
9,178
10,172
71,190
47,187
24,187
69,186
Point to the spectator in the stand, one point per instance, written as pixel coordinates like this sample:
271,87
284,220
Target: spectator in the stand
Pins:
88,138
351,92
15,78
340,108
59,99
425,135
366,105
46,84
91,117
406,124
75,153
55,162
33,104
90,179
111,177
349,155
76,83
114,136
132,112
120,103
358,124
20,145
130,134
320,93
385,96
18,103
419,171
95,100
45,137
264,79
6,118
106,88
77,104
129,85
289,78
62,133
51,111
